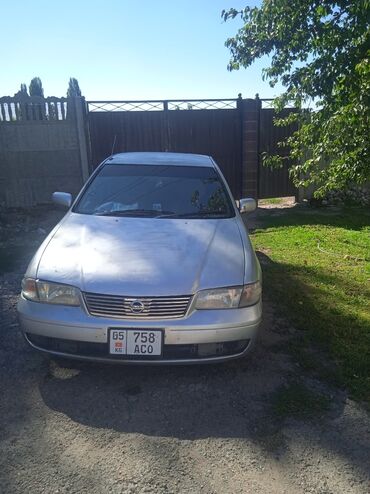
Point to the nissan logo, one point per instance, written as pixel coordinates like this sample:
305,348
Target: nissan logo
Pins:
137,306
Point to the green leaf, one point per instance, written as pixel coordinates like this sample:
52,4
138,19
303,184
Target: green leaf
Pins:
319,52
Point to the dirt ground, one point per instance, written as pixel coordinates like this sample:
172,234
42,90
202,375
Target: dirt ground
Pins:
83,428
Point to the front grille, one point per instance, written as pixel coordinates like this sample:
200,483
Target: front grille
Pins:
121,307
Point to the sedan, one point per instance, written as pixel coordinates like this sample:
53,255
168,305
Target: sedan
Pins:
152,263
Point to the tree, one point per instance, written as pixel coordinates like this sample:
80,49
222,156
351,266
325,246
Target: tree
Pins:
320,51
22,91
73,88
35,87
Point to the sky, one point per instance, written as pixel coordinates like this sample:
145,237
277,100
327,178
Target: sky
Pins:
125,49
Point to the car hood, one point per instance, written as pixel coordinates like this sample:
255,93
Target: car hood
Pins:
144,256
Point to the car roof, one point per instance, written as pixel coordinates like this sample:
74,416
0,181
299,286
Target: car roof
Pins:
157,158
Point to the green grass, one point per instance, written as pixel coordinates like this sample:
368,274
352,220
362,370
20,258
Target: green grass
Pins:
317,271
297,401
273,200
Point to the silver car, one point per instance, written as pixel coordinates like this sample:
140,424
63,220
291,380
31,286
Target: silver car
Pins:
151,264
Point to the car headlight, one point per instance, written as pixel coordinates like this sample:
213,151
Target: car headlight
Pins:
229,298
50,293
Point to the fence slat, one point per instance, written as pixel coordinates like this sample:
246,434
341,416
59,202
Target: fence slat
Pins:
16,110
3,114
62,109
32,108
42,110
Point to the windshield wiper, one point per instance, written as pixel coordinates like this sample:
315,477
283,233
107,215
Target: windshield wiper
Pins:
196,214
134,212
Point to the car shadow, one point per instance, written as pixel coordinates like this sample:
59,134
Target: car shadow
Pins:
185,402
231,400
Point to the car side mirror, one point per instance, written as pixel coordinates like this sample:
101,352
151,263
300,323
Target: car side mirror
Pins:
62,198
247,205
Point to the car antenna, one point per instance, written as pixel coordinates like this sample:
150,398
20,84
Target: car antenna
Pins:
114,143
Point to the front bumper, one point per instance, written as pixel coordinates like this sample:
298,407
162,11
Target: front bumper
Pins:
202,336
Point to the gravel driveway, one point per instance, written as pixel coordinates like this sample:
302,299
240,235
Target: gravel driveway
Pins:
83,428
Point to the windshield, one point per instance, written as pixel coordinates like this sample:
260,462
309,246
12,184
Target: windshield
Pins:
156,191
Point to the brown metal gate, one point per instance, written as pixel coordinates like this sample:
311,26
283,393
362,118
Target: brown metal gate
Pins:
274,182
211,127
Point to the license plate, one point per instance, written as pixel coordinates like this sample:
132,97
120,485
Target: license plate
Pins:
140,342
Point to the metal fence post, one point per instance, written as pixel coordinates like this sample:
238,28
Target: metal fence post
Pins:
81,135
239,106
166,123
259,160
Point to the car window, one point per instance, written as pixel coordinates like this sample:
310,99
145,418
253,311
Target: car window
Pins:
161,191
